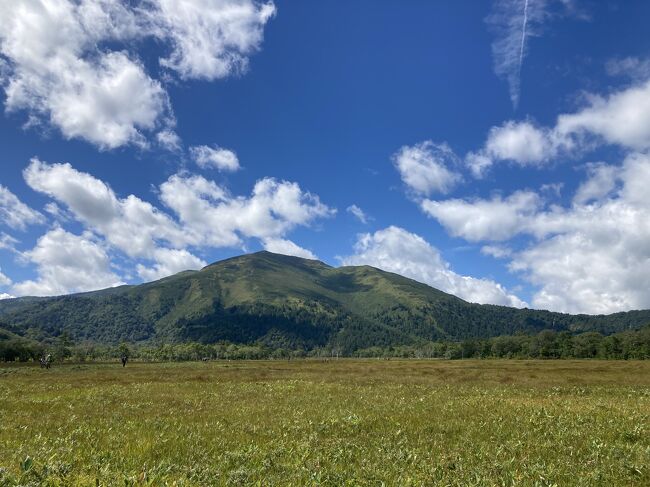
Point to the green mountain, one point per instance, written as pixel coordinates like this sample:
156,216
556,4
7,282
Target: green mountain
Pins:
284,301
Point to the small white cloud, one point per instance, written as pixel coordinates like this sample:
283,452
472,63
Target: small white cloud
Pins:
6,296
287,247
215,157
396,250
478,163
57,212
169,140
552,189
4,280
216,218
358,213
7,242
496,251
520,142
15,213
425,167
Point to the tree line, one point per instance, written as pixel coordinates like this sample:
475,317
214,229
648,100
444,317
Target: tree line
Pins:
548,344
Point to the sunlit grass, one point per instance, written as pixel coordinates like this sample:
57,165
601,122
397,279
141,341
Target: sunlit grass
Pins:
344,422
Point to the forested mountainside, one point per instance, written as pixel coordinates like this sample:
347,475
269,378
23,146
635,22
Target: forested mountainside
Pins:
283,301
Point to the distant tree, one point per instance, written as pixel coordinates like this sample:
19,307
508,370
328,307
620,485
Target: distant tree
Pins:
62,347
123,350
587,345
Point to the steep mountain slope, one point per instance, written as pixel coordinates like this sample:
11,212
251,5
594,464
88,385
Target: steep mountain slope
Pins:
285,301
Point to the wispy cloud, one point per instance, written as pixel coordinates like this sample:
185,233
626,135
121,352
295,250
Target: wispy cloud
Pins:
513,22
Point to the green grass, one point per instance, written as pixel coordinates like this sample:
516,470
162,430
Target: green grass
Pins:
341,422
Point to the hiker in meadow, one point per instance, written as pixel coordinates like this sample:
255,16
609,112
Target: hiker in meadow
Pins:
124,359
46,361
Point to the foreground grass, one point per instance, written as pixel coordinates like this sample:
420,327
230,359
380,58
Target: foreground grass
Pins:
327,423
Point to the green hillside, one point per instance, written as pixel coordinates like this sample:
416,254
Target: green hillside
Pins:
284,301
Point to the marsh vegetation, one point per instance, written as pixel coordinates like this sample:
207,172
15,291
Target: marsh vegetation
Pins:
336,422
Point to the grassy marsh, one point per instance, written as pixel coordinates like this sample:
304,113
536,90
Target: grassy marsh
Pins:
342,422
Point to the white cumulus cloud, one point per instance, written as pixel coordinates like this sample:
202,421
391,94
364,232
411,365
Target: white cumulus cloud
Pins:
73,64
67,263
215,157
621,118
211,38
427,167
396,250
475,220
202,215
589,257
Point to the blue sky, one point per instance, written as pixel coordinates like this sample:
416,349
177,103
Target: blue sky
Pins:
495,150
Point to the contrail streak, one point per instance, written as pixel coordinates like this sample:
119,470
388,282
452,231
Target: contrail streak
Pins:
523,35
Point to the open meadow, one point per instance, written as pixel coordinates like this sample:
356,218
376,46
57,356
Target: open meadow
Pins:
341,422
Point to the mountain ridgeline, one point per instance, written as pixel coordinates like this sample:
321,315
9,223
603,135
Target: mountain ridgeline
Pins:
288,302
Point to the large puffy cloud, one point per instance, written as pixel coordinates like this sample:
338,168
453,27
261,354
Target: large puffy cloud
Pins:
589,257
427,167
206,215
396,250
67,263
66,62
216,218
493,219
15,213
130,224
57,73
